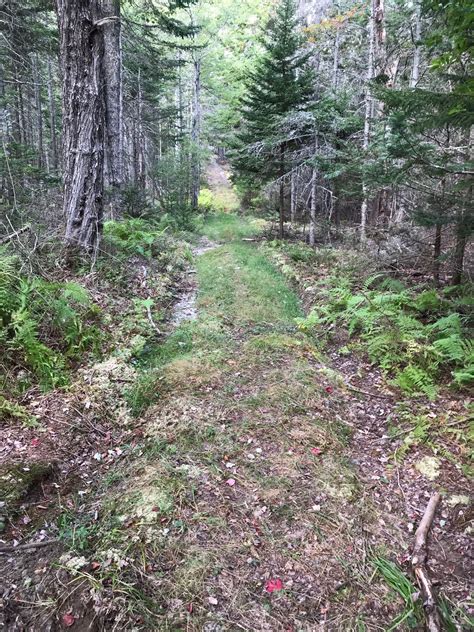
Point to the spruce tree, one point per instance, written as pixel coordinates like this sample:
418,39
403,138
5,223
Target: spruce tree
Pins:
280,85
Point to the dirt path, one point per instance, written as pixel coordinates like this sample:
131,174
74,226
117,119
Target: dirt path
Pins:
262,493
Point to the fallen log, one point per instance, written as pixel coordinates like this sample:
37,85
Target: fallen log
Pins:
418,564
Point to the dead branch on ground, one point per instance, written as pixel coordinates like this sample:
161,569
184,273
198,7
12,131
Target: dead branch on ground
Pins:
419,561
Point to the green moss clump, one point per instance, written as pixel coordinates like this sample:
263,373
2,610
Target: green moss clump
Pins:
17,479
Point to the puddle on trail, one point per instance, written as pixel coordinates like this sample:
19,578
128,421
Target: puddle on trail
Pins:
186,308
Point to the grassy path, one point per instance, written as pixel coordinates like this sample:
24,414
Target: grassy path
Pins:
243,511
261,485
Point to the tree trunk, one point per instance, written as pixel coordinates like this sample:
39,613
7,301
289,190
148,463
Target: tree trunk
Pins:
196,136
113,92
282,193
21,111
38,106
335,69
314,193
368,113
415,73
312,212
52,119
437,255
464,218
293,197
81,51
459,251
140,136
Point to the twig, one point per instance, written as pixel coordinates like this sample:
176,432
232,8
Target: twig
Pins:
418,563
358,390
25,547
14,234
152,322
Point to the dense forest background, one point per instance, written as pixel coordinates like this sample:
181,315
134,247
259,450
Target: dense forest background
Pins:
236,295
342,117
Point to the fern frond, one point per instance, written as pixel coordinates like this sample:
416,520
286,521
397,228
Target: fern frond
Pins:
447,325
416,381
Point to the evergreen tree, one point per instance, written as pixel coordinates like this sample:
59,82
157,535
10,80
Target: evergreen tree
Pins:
280,84
430,138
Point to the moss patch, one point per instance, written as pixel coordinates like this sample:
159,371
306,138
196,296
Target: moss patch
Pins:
18,479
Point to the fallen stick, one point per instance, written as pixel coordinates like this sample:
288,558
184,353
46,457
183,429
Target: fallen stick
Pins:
16,233
152,322
418,564
358,390
25,547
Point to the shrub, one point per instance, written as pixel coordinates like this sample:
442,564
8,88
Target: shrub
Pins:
411,335
42,323
135,237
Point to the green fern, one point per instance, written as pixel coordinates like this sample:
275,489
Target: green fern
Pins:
451,349
8,287
42,322
447,325
411,335
428,302
416,381
464,377
11,410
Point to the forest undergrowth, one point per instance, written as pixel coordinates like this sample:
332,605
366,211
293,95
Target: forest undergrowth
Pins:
259,467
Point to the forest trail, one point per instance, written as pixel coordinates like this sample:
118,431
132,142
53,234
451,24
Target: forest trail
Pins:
243,474
266,497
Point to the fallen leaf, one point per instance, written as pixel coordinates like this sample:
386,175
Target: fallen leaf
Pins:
273,585
68,619
316,451
190,608
35,442
329,389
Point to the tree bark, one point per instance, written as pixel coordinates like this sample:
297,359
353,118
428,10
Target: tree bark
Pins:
140,137
459,250
52,119
437,255
82,51
196,136
368,113
415,73
464,219
38,107
293,197
281,230
312,212
335,69
113,91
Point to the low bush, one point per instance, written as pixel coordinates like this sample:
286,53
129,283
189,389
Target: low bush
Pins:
417,336
43,324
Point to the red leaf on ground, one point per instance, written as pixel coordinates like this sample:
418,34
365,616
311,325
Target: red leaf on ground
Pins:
35,442
68,619
190,608
95,565
316,451
273,585
329,389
